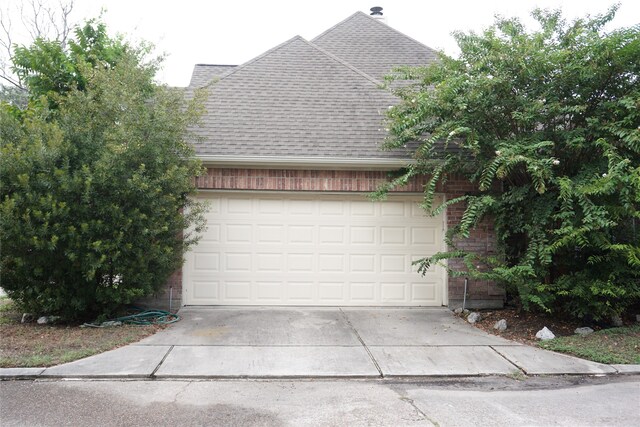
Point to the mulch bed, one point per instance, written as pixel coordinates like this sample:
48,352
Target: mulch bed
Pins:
522,326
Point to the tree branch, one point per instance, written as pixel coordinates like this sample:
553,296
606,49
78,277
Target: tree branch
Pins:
39,21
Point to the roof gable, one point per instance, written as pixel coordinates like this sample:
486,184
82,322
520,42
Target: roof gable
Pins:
295,100
205,73
372,46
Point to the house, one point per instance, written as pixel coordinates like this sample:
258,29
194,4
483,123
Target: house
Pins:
291,142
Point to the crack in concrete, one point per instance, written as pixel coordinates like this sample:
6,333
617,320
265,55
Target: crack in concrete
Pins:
418,410
179,392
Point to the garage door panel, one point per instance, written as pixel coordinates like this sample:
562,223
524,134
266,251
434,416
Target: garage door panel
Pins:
331,263
424,236
362,263
206,290
396,209
331,234
331,292
393,292
300,292
237,291
270,291
269,262
313,250
239,206
270,233
237,262
363,292
363,210
423,292
362,235
206,262
300,262
301,234
394,264
238,233
393,235
270,206
331,208
211,234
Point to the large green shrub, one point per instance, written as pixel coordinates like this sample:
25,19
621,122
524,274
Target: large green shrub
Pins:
95,179
546,124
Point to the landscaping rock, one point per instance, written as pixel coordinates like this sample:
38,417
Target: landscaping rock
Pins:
583,331
616,321
501,325
474,317
27,318
458,311
45,320
545,334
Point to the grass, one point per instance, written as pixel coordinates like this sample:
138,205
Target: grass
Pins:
33,345
615,345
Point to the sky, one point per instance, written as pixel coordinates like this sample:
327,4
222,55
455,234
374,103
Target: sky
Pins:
193,32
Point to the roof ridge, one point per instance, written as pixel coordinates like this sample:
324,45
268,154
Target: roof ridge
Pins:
345,63
256,59
324,33
378,22
308,43
217,65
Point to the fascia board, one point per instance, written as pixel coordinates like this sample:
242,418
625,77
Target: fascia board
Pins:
304,162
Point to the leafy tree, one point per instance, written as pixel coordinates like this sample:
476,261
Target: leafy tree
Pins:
14,95
546,124
50,68
39,20
95,176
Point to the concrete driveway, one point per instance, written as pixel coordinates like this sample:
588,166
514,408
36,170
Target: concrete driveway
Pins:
260,342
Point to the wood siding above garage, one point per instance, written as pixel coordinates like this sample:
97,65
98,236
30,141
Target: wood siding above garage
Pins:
299,180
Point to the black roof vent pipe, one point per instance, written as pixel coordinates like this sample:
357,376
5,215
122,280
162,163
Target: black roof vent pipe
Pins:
376,11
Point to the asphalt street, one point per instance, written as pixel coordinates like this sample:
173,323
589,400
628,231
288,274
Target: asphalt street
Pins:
496,401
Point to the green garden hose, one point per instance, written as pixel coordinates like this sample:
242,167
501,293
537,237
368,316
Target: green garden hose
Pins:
146,317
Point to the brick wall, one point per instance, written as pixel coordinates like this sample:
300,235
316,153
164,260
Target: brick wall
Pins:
479,293
169,297
298,180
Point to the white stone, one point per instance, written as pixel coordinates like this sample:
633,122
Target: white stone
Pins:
26,318
458,311
474,317
583,331
545,334
500,325
44,320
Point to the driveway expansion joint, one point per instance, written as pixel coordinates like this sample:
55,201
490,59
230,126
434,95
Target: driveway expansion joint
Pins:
373,360
519,368
153,374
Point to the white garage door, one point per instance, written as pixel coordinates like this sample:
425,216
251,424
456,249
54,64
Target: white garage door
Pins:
293,249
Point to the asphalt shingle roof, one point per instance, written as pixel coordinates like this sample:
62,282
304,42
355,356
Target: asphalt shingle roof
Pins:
295,101
205,73
308,100
373,46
